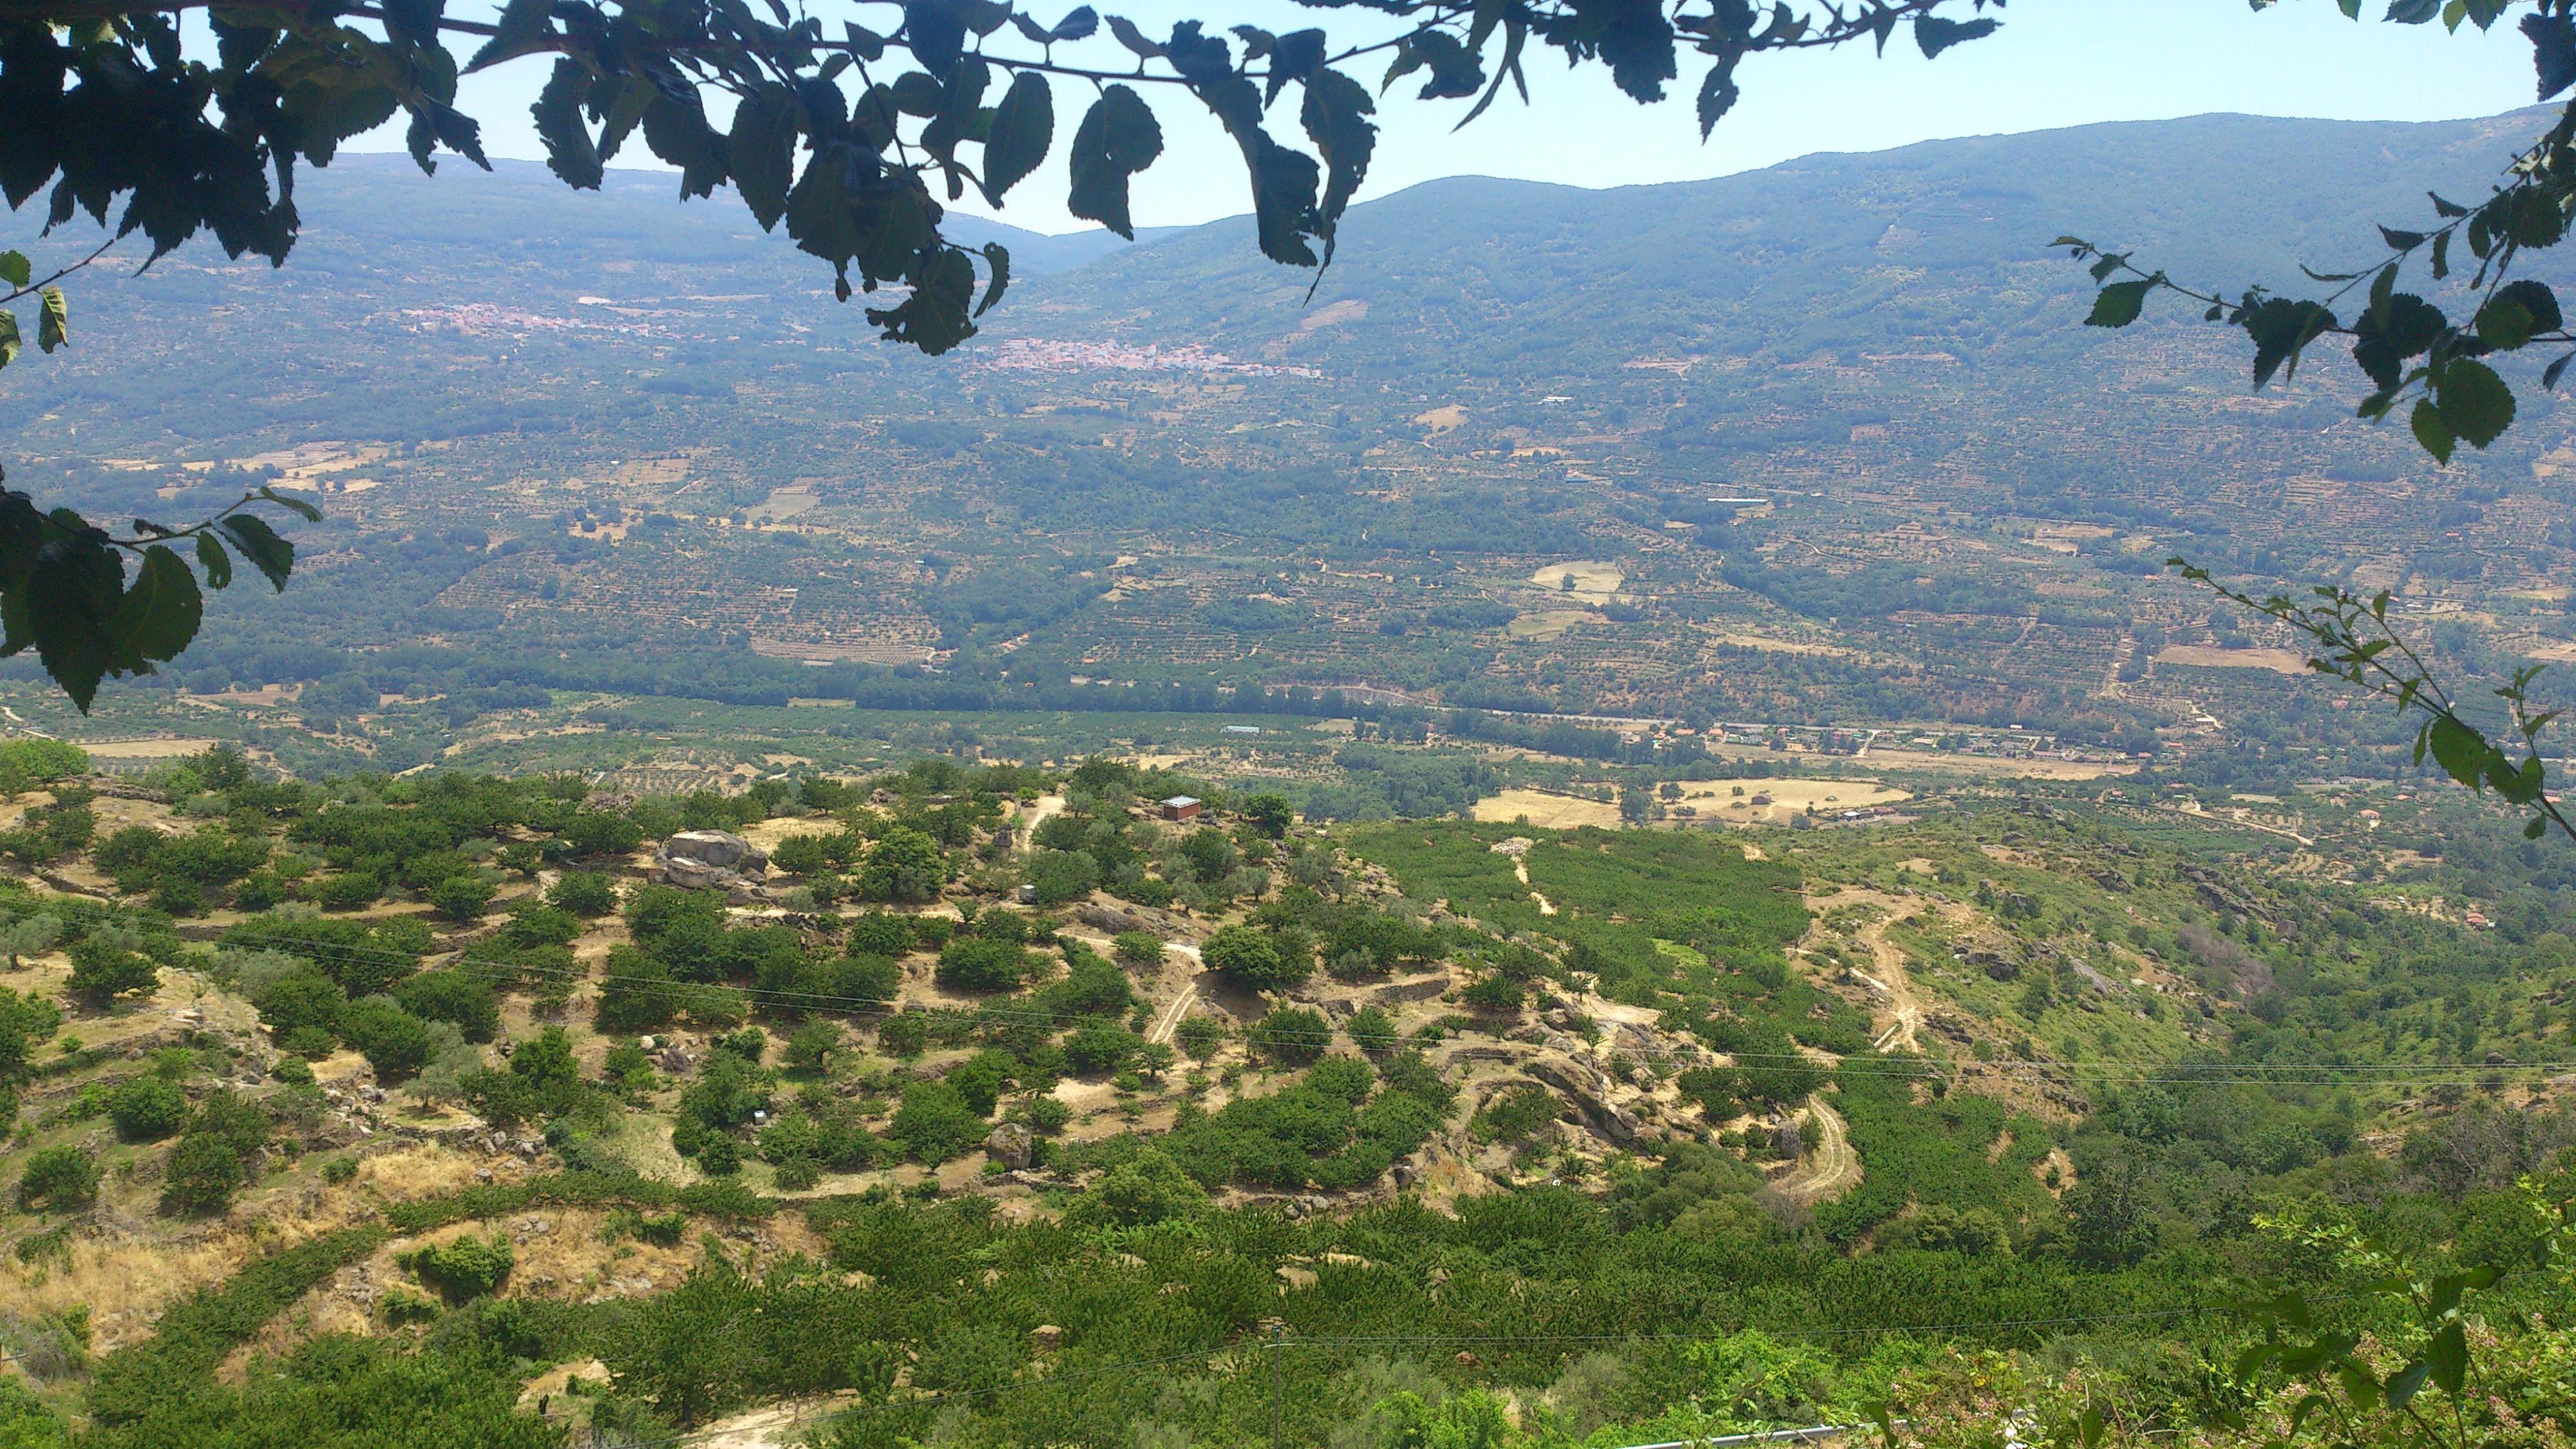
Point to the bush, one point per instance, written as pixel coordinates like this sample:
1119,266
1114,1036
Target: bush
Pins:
462,897
452,996
205,1171
1253,959
903,865
58,1177
904,1034
720,1156
394,1042
1498,994
350,890
103,971
1147,1189
1291,1035
583,892
1199,1036
1060,876
1137,950
462,1270
797,1174
1098,1050
934,1123
147,1109
532,924
1372,1031
303,997
810,1048
879,933
979,963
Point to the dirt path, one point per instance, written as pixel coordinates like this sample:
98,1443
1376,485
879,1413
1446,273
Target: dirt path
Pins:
1520,869
1047,806
1168,1020
1904,1007
780,1426
1830,1167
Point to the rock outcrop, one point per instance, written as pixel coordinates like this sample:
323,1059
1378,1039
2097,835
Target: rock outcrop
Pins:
712,860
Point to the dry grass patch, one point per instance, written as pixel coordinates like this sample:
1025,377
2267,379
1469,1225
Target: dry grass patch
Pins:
1548,810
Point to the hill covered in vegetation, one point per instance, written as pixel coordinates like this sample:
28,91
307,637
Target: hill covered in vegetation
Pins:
984,1104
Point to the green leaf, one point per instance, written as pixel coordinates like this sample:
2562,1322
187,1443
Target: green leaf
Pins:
1934,34
2402,1388
273,556
1336,119
1133,38
521,30
10,343
1023,129
2553,51
291,504
2537,299
160,611
761,150
2448,1356
1118,137
998,258
2430,431
2089,1427
2281,328
2475,403
570,152
2458,749
2536,829
217,563
2117,305
2504,324
15,269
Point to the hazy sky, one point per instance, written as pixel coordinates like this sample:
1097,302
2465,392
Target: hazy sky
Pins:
2055,63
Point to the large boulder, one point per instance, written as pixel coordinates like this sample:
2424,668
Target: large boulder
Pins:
1011,1145
711,860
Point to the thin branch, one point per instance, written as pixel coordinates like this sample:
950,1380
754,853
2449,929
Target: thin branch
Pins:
44,282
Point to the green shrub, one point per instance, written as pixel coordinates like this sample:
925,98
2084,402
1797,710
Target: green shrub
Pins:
147,1109
462,997
1372,1031
401,1308
464,1269
1253,959
1100,1049
934,1123
103,971
462,897
58,1177
584,893
394,1042
904,1034
879,933
1137,950
980,963
350,890
1291,1035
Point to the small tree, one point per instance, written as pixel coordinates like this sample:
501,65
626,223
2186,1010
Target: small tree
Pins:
1199,1036
1293,1036
1269,815
1137,950
1372,1031
1252,958
903,865
583,892
103,971
810,1048
462,897
56,1178
147,1109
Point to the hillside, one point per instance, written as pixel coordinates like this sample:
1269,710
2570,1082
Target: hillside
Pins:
629,449
524,1110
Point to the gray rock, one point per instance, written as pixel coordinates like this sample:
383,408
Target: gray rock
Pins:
1011,1145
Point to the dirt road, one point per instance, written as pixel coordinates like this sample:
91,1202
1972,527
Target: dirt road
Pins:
1904,1018
1830,1166
1047,806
